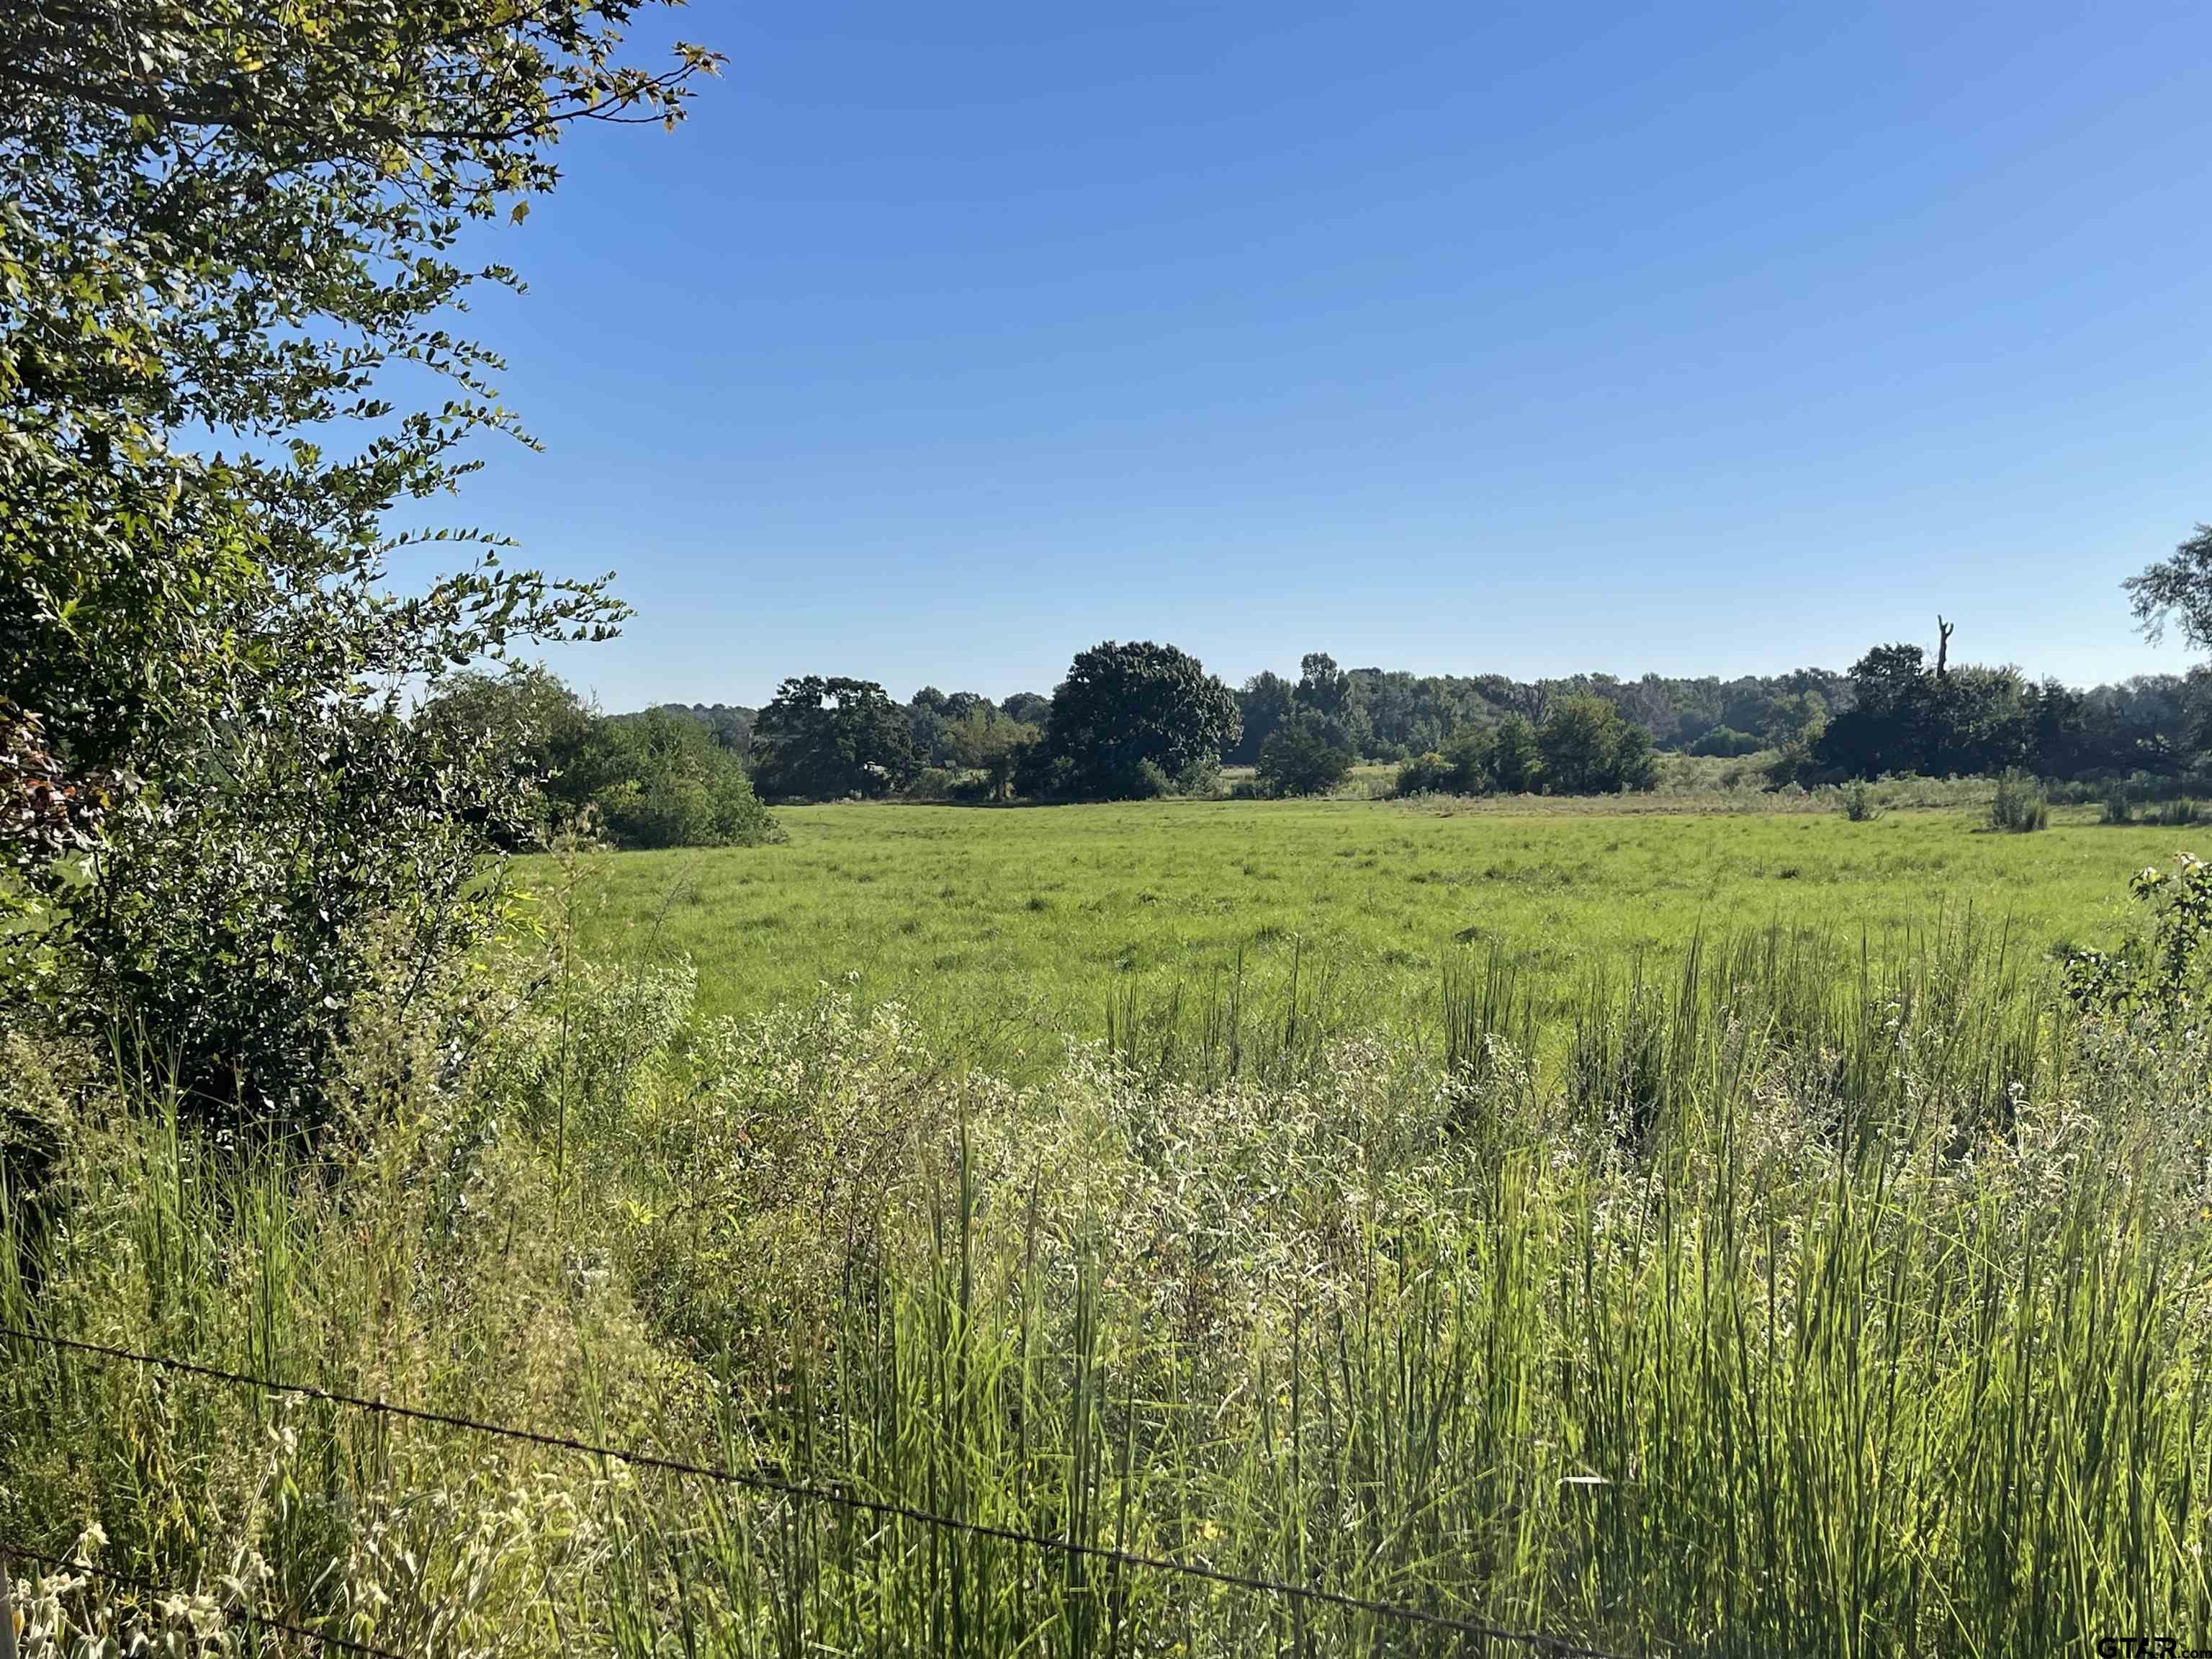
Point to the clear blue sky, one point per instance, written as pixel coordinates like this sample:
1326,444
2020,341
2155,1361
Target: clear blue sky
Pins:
942,341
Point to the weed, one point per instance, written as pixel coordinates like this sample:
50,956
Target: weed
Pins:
1858,803
2021,805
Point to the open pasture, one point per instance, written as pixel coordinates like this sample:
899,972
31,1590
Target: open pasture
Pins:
1007,930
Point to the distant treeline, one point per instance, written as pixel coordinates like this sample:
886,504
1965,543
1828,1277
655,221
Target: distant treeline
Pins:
1389,714
1894,712
1138,720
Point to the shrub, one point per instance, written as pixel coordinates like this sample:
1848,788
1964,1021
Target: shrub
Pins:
1587,749
2161,976
658,778
2118,808
1467,765
1200,778
1426,773
1858,802
1726,743
2019,805
674,786
931,783
1307,754
1148,780
552,748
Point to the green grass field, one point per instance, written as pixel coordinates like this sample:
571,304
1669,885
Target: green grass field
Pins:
1013,928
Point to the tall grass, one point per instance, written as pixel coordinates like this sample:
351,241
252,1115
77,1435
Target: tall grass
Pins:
1746,1307
2019,803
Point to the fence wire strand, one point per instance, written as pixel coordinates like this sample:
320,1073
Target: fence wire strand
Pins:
837,1497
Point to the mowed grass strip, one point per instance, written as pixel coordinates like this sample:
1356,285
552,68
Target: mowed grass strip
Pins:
1009,929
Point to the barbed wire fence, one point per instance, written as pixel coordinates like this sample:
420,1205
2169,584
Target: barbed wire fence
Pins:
776,1484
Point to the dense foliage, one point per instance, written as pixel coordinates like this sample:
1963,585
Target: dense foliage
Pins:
1133,720
985,741
1583,747
731,724
824,739
932,715
1587,749
655,779
1390,715
221,224
1461,767
1724,741
668,783
1891,714
1308,754
1903,715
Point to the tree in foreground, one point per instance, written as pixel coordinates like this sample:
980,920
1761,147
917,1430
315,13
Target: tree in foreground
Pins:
1132,721
1307,754
221,223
